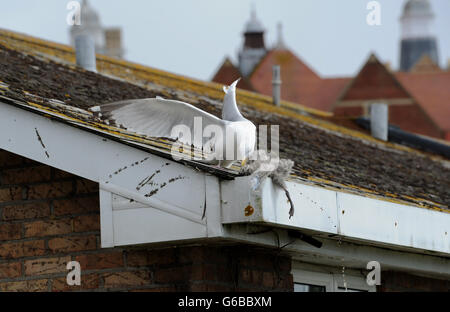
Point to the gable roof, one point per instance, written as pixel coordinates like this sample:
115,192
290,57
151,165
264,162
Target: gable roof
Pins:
227,73
374,81
430,90
300,84
328,92
425,65
299,81
432,93
40,76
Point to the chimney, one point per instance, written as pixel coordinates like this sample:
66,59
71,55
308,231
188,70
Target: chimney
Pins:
379,120
113,42
85,52
276,85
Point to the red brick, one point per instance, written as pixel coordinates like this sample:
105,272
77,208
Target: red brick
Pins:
59,174
9,159
22,249
72,243
25,286
284,264
156,289
100,261
50,190
10,270
26,211
289,282
10,231
203,254
88,281
46,265
191,254
10,194
26,175
151,257
172,275
210,272
86,186
218,273
262,261
126,279
251,276
48,228
76,205
268,279
86,223
210,288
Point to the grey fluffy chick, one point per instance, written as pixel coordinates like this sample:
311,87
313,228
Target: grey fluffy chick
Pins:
270,166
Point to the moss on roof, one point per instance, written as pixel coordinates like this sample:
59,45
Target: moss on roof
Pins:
35,73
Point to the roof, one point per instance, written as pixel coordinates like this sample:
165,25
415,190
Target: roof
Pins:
432,91
328,93
429,89
40,76
425,65
374,81
299,81
228,73
300,84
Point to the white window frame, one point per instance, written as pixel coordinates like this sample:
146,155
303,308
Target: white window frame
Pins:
329,277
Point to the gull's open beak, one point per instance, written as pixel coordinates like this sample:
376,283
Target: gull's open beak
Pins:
235,83
244,162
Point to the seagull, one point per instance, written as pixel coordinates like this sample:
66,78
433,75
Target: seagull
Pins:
224,140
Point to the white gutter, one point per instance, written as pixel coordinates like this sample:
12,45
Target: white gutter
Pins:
338,213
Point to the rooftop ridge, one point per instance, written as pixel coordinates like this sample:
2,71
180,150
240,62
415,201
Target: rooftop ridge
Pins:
68,55
214,90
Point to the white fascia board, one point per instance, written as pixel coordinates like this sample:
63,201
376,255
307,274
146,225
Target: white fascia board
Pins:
144,198
330,212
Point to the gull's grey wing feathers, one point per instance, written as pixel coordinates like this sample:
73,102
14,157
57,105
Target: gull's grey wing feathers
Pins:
156,117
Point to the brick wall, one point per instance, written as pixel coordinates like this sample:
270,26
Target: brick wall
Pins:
49,217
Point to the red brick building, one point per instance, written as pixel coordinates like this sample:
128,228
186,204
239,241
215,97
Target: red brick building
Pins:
418,99
71,190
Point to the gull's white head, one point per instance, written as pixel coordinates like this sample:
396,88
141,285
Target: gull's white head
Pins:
230,110
232,87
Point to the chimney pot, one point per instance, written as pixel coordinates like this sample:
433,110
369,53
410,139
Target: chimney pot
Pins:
85,52
379,120
276,85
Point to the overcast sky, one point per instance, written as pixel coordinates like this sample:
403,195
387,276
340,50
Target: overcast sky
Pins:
192,37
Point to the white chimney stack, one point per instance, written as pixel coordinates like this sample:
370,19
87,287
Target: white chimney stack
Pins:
85,52
276,85
379,120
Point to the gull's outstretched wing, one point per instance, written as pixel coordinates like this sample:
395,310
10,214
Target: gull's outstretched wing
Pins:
157,117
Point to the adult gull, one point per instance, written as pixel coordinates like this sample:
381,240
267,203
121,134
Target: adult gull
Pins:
223,140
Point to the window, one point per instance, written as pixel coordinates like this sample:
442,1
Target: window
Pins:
313,278
308,288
